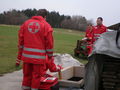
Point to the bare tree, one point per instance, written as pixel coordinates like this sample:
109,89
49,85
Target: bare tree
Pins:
14,17
75,22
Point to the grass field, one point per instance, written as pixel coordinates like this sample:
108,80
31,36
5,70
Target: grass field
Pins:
65,42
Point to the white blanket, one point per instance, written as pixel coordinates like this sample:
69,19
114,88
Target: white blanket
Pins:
106,44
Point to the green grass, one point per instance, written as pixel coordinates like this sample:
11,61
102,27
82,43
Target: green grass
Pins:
65,42
8,48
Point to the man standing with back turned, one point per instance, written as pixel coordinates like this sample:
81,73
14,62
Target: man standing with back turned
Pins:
35,46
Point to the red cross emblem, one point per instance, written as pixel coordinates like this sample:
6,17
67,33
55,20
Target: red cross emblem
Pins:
34,27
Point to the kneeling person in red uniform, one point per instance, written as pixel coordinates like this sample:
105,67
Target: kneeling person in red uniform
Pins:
89,38
35,46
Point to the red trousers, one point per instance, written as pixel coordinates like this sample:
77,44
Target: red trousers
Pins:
31,75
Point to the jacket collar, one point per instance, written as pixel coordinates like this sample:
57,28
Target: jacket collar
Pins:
40,18
100,25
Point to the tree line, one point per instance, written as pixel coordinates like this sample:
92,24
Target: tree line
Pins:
17,17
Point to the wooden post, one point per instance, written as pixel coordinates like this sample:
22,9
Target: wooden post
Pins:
60,74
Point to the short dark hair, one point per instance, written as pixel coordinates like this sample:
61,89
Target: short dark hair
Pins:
42,12
89,24
100,18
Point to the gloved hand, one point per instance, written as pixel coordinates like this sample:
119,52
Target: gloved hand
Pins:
17,63
59,67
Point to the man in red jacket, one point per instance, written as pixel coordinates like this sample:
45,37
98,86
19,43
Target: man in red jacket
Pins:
89,38
99,29
35,46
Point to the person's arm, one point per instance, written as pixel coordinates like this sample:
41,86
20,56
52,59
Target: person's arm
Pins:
52,66
93,35
49,44
88,36
105,29
20,44
49,50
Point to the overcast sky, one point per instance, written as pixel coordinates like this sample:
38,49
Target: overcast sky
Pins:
91,9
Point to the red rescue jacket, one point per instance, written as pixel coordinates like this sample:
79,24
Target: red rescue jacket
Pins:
35,41
90,39
98,31
90,35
